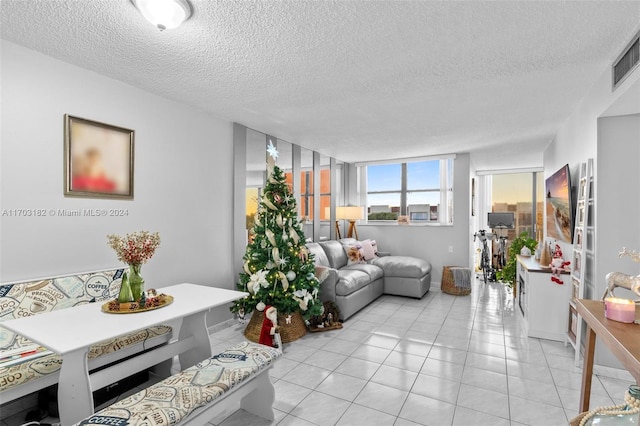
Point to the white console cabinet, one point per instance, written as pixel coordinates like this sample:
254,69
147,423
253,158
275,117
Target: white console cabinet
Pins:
542,303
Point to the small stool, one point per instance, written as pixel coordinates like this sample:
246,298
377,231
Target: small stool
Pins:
456,280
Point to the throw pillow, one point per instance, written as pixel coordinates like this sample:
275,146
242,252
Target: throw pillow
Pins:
367,250
354,254
375,246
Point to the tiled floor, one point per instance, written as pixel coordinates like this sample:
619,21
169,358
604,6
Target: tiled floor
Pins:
442,360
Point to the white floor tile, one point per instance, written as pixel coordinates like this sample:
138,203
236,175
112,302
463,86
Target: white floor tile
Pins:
442,360
342,386
535,413
427,411
358,415
466,417
405,361
311,409
371,353
485,401
325,359
358,368
306,375
485,379
436,388
442,369
382,398
394,377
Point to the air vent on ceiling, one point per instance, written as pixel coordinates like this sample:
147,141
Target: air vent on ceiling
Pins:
626,62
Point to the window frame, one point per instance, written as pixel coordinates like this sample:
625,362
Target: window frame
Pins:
445,189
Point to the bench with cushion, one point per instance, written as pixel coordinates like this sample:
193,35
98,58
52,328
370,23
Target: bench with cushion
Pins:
353,281
26,375
202,392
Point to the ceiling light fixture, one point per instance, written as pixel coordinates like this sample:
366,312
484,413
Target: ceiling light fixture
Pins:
164,14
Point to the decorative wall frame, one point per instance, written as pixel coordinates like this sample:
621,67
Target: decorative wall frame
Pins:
577,262
579,239
580,218
98,159
575,289
573,323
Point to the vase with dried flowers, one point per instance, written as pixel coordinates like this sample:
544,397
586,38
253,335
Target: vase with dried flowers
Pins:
135,249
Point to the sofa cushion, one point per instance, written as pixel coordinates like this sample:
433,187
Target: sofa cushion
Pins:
335,253
374,272
319,255
403,266
28,298
33,369
177,397
351,280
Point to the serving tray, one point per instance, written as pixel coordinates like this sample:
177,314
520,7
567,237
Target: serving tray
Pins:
160,301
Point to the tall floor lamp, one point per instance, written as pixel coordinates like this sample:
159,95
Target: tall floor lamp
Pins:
350,213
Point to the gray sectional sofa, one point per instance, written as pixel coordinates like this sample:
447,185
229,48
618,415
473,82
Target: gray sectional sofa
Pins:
352,286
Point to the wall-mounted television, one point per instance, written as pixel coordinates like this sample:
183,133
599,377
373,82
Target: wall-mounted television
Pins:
559,206
500,220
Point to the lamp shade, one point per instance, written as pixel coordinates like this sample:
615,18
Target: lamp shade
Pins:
164,14
350,212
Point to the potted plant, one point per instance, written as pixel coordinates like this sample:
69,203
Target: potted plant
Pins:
508,273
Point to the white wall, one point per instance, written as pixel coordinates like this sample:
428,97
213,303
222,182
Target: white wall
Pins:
432,242
183,166
577,141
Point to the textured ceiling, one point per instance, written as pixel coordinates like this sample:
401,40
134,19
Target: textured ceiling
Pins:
358,80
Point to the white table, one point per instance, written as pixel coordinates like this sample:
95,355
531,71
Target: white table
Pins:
70,332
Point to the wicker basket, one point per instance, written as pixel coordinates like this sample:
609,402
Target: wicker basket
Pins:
448,284
576,420
288,332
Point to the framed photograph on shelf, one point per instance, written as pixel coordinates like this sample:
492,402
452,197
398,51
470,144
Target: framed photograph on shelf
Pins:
582,191
98,159
579,238
573,323
577,265
575,287
580,218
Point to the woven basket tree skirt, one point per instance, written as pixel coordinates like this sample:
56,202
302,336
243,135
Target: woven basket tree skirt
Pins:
292,326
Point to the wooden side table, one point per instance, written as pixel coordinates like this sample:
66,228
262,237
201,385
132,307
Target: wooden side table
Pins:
622,339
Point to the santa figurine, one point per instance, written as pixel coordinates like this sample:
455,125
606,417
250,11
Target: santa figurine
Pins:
558,265
269,334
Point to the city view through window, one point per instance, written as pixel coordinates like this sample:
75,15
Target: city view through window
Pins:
514,193
408,189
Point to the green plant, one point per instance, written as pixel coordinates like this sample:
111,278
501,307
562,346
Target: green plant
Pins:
383,216
508,273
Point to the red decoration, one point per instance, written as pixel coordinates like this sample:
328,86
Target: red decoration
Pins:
558,265
269,327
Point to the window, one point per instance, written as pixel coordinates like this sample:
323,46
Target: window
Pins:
306,192
421,190
514,192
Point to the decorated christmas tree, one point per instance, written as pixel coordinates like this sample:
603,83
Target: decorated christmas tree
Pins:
278,270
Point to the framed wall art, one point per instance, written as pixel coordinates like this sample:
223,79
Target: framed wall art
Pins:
98,159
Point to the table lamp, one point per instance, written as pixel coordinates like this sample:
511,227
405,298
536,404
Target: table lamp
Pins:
350,213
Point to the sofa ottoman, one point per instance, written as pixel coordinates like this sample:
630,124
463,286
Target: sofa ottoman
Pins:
405,275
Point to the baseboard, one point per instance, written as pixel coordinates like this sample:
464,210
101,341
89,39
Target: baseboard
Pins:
222,325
